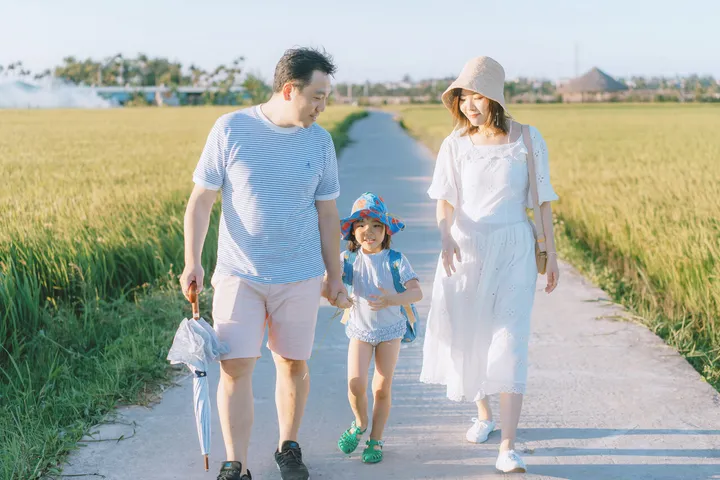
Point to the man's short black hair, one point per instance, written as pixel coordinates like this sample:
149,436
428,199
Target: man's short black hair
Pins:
297,66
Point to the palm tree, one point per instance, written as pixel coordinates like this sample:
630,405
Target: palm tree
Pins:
196,75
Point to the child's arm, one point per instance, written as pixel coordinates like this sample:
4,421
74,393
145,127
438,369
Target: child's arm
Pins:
412,294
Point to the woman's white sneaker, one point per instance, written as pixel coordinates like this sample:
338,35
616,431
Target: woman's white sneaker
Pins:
480,431
510,462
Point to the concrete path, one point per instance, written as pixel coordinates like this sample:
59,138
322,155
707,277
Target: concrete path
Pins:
606,399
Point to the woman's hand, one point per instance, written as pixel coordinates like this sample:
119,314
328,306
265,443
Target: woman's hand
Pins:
450,249
552,273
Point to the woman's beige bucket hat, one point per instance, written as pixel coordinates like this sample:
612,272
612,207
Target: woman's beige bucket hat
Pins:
483,75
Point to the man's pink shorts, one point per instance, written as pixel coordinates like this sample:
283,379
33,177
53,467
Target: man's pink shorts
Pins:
243,308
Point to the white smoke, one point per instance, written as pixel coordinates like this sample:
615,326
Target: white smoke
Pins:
54,94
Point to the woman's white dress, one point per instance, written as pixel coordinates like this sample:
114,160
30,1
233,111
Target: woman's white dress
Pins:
478,328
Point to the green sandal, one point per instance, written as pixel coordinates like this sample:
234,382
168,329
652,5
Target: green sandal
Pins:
349,440
370,455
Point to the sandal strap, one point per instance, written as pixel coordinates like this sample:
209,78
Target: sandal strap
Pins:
372,443
355,430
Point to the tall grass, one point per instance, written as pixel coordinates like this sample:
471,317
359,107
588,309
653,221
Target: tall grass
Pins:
91,243
93,204
639,208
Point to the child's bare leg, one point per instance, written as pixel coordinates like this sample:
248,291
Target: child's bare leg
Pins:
359,356
386,356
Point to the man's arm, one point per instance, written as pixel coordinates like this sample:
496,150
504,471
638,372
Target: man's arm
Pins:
329,223
197,221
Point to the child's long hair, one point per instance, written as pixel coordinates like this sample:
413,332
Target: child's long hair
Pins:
353,245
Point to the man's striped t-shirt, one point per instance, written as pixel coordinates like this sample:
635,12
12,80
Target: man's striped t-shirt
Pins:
269,178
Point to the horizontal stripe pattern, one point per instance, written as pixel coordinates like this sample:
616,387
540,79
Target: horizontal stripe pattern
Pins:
270,178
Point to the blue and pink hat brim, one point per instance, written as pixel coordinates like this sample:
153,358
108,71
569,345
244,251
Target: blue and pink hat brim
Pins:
393,224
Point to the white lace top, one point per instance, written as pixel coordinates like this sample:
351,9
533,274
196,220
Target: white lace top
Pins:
488,184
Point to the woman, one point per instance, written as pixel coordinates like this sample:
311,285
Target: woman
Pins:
476,341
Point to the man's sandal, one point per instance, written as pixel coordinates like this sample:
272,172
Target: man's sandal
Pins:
370,454
350,439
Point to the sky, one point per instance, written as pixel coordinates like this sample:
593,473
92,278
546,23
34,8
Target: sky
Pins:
376,40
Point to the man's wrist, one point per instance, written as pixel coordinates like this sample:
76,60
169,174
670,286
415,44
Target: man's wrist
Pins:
191,262
334,278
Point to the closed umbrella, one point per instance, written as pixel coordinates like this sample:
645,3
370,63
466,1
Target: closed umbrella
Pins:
196,345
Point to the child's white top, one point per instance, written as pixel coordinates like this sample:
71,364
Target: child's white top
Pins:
370,273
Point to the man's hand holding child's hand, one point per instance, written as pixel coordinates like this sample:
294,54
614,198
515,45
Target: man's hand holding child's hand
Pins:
343,301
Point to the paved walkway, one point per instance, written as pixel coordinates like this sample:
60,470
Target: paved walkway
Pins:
606,399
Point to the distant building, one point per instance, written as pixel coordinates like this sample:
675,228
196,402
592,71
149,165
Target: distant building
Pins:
163,95
594,86
23,86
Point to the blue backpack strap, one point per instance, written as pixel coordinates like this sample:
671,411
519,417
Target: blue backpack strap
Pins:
408,311
347,278
395,258
348,262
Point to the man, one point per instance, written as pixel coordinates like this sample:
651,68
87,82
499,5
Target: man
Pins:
279,234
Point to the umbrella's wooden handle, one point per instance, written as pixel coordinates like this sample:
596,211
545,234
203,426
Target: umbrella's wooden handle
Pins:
193,297
207,463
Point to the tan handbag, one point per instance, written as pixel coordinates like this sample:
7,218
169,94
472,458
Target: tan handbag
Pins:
541,256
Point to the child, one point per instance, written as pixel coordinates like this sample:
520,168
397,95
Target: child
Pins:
375,321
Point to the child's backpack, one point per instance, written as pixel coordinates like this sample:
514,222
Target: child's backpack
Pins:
408,311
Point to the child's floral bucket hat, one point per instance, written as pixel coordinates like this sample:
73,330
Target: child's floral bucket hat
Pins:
370,205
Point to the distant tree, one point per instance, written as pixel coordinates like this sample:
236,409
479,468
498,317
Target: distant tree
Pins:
44,74
510,89
137,99
143,70
197,75
223,78
640,83
256,88
547,88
